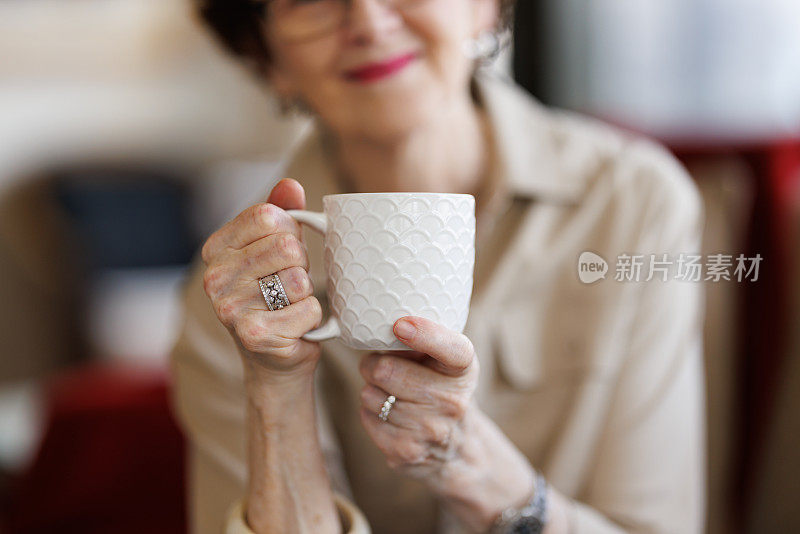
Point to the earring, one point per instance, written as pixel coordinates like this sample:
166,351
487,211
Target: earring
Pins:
486,46
286,106
292,106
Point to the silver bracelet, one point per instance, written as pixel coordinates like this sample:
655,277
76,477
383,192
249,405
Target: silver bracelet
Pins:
530,518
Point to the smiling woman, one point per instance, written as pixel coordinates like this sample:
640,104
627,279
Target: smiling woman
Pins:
323,55
240,31
562,406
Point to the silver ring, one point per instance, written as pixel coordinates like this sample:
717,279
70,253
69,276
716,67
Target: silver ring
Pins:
274,294
386,408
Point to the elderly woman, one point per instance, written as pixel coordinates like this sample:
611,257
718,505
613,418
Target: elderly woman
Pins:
564,406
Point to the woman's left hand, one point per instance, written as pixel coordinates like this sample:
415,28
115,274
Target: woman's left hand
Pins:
435,432
433,388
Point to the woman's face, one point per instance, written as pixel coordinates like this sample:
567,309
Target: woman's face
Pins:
385,70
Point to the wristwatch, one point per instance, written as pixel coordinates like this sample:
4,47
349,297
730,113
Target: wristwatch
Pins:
530,519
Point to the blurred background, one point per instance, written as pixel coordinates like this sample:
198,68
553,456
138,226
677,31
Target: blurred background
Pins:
127,136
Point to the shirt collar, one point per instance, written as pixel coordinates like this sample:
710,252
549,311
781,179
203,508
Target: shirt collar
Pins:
531,161
530,156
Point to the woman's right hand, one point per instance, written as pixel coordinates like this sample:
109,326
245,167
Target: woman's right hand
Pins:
262,240
288,489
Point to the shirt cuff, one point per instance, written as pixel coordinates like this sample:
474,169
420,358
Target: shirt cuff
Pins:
353,521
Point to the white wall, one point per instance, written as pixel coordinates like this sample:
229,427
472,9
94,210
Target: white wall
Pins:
708,68
123,80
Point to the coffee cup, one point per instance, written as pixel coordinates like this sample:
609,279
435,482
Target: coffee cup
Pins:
389,255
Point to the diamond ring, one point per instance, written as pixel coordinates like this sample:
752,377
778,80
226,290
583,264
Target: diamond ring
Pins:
274,294
386,407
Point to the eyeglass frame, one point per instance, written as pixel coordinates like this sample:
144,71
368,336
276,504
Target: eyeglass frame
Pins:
262,9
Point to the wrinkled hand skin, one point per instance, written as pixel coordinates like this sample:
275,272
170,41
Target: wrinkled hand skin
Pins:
288,489
427,421
261,240
435,431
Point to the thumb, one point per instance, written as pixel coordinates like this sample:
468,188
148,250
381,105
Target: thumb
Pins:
288,194
452,350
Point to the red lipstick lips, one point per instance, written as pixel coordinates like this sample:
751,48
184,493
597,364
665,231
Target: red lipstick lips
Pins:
375,71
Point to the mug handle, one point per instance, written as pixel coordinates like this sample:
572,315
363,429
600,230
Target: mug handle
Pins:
319,222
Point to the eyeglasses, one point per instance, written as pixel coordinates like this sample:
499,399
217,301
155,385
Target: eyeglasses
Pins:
299,20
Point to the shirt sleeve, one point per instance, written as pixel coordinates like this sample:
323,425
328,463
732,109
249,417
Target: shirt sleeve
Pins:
649,470
353,521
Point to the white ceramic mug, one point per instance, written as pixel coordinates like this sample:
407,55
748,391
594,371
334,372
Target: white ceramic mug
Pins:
388,255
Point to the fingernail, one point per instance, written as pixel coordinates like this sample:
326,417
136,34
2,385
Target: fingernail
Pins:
404,329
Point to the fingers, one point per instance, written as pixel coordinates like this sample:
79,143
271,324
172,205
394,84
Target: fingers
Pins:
403,378
249,226
248,297
296,283
372,399
410,442
231,282
260,241
453,351
288,194
260,220
399,448
271,254
277,331
235,274
433,396
413,382
423,420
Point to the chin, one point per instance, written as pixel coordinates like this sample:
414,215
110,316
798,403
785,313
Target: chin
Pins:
393,118
394,124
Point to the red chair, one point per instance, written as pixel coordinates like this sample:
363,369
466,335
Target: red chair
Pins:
112,458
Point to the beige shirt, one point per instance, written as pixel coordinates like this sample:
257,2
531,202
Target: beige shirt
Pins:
599,385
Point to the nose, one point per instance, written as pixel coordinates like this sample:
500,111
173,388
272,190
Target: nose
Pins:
370,19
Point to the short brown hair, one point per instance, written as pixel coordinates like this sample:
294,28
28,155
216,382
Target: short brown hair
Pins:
237,24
